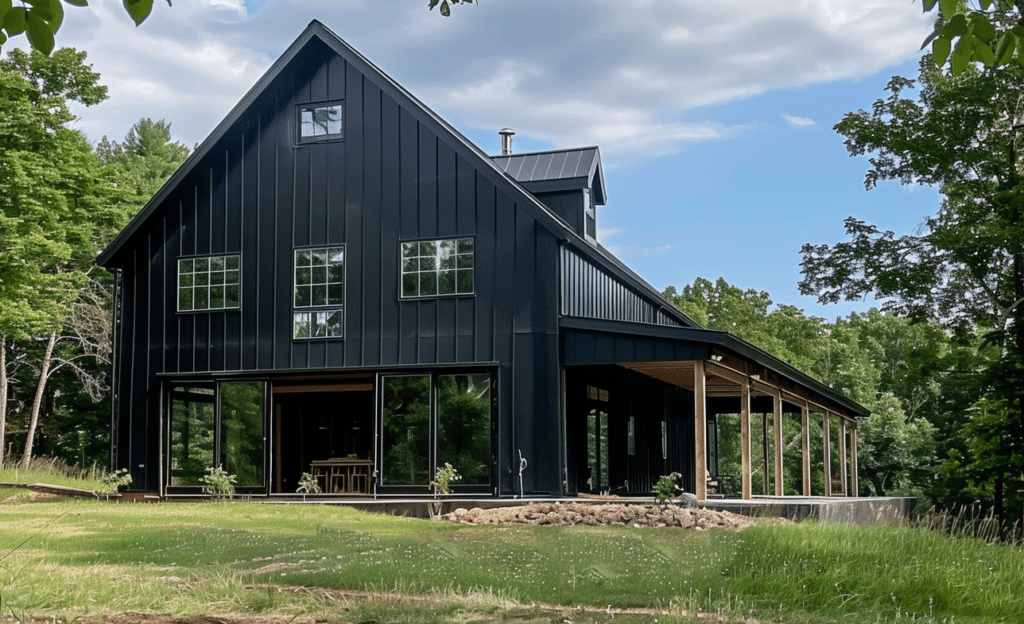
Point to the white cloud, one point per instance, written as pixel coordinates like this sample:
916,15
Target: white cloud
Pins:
633,76
799,122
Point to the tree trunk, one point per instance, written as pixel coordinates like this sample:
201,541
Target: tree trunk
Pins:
3,395
37,402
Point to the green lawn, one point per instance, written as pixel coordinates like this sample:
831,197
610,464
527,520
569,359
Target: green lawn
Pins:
87,557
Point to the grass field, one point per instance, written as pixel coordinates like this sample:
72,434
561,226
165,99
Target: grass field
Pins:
75,559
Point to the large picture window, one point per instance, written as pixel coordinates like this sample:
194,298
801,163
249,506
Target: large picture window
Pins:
319,292
209,283
320,122
431,420
217,425
438,267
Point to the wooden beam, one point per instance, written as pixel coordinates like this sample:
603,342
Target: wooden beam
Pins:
805,446
764,454
845,458
700,431
853,457
827,452
777,426
745,486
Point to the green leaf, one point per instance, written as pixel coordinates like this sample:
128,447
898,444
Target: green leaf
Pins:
1005,47
982,28
962,54
138,10
928,5
15,21
78,3
948,8
445,10
930,38
940,50
5,6
956,27
40,33
983,52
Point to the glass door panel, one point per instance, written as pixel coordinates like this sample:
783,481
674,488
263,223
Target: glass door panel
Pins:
405,437
464,426
241,420
192,433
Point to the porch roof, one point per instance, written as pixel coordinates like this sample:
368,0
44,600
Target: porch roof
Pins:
668,353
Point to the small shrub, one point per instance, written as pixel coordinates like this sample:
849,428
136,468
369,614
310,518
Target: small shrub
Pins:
114,482
218,483
308,484
444,477
667,487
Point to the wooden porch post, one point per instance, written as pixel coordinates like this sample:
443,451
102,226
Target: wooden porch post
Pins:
745,440
843,472
764,454
805,447
779,490
827,453
855,481
700,431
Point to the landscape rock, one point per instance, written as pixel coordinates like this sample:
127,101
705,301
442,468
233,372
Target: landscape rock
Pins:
602,514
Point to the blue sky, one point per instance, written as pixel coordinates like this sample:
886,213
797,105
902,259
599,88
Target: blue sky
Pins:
714,119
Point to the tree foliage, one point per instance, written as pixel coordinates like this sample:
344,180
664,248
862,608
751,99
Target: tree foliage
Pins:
964,266
985,31
145,159
446,5
39,20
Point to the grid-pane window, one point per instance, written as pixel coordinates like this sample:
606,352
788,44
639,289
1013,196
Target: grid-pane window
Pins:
319,292
441,267
209,283
318,122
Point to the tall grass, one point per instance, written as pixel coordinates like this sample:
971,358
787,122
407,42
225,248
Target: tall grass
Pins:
90,557
53,471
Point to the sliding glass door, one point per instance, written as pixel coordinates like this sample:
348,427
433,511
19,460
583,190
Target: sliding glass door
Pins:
217,424
430,420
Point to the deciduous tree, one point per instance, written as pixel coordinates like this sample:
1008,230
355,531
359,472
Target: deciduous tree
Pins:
964,267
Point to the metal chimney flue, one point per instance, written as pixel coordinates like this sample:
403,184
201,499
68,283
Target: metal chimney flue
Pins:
506,141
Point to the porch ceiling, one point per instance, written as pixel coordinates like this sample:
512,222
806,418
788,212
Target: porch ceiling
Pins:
724,378
681,374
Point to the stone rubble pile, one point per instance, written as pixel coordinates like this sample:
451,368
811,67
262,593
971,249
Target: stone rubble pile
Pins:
594,514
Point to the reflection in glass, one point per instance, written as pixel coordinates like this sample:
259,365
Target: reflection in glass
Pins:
464,426
192,414
406,440
241,424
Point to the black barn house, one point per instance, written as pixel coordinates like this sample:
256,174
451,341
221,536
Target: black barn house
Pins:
337,278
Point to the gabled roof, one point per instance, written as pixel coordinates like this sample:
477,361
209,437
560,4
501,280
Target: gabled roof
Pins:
317,31
557,170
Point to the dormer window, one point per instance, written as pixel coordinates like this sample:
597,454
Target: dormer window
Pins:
320,122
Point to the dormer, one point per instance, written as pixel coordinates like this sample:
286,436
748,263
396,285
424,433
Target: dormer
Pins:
569,182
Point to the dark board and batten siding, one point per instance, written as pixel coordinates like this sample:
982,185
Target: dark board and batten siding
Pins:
590,291
391,179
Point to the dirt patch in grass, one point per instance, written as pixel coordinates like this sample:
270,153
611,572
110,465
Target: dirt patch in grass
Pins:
604,514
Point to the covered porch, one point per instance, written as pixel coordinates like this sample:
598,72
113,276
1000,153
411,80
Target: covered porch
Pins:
697,381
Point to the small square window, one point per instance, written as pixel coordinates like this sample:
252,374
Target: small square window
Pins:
319,122
210,283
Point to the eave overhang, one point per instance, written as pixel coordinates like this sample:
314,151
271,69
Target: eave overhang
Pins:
720,345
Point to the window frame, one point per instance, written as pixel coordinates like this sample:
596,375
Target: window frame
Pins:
437,271
315,310
208,257
302,139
